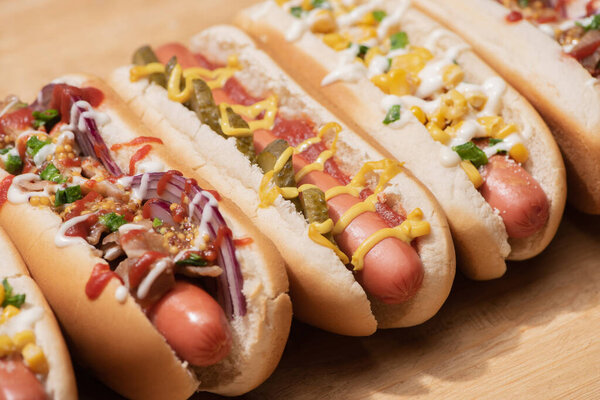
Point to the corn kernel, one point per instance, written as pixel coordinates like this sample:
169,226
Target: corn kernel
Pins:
280,2
452,76
34,358
1,294
519,153
399,84
34,201
189,237
438,119
173,206
307,5
410,62
137,218
324,22
62,156
71,155
6,345
419,114
368,32
336,41
506,130
23,338
492,124
45,201
371,53
173,250
437,134
169,235
180,236
472,173
422,52
477,100
7,139
368,19
68,148
453,105
9,312
60,149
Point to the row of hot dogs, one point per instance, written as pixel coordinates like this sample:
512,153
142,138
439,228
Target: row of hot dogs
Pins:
165,219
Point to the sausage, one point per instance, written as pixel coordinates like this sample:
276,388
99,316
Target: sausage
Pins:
393,271
517,196
185,58
17,382
193,324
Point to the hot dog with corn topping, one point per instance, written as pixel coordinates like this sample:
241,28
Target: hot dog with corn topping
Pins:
34,360
418,93
173,289
366,245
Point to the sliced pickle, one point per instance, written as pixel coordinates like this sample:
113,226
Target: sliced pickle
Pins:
315,207
245,144
266,161
144,55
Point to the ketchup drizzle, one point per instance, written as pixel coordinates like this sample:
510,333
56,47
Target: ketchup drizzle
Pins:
101,275
135,142
139,155
4,186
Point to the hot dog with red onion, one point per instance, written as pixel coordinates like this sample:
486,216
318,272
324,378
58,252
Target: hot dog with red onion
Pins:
418,93
168,268
366,245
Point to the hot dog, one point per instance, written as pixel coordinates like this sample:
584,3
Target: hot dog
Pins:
553,48
34,360
419,94
320,193
194,294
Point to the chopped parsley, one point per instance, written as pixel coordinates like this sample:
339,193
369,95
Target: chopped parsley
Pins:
470,152
112,221
67,195
11,299
392,115
398,40
193,259
52,174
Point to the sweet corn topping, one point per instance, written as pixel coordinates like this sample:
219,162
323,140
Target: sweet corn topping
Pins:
23,338
472,173
34,358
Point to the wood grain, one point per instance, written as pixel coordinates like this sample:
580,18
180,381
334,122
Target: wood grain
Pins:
531,334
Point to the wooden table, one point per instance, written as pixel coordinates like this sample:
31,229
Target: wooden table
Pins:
532,334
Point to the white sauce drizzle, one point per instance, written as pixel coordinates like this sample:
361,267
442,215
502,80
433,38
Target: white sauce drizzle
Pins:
25,320
432,75
16,194
348,68
448,157
62,240
358,13
378,65
43,153
149,279
149,166
207,214
12,152
140,193
123,229
121,294
392,20
434,37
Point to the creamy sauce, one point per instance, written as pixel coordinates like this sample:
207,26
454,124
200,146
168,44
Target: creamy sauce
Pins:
121,294
149,279
123,229
432,74
17,195
10,104
140,192
43,153
348,68
149,166
24,320
392,20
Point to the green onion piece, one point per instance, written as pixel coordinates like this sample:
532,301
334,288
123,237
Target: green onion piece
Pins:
593,25
296,12
40,118
51,173
156,223
13,164
469,151
68,195
494,141
193,259
392,115
523,3
379,15
320,3
112,221
34,145
4,151
11,299
398,40
362,50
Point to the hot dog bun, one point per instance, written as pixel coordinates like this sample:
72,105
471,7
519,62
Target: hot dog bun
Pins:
117,341
479,233
325,293
60,381
566,95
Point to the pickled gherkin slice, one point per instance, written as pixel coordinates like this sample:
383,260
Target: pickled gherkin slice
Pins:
144,55
266,161
314,207
169,69
203,104
245,144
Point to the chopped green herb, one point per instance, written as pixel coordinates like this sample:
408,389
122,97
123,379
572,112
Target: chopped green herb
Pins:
398,40
112,221
68,195
13,164
392,115
296,11
41,118
523,3
379,15
157,223
193,259
362,50
320,3
11,299
4,151
494,141
593,25
34,145
389,64
469,151
52,174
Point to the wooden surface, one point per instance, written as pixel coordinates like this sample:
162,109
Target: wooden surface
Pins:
532,334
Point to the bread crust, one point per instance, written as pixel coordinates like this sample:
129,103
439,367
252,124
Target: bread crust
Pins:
479,234
60,381
324,292
566,95
124,349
